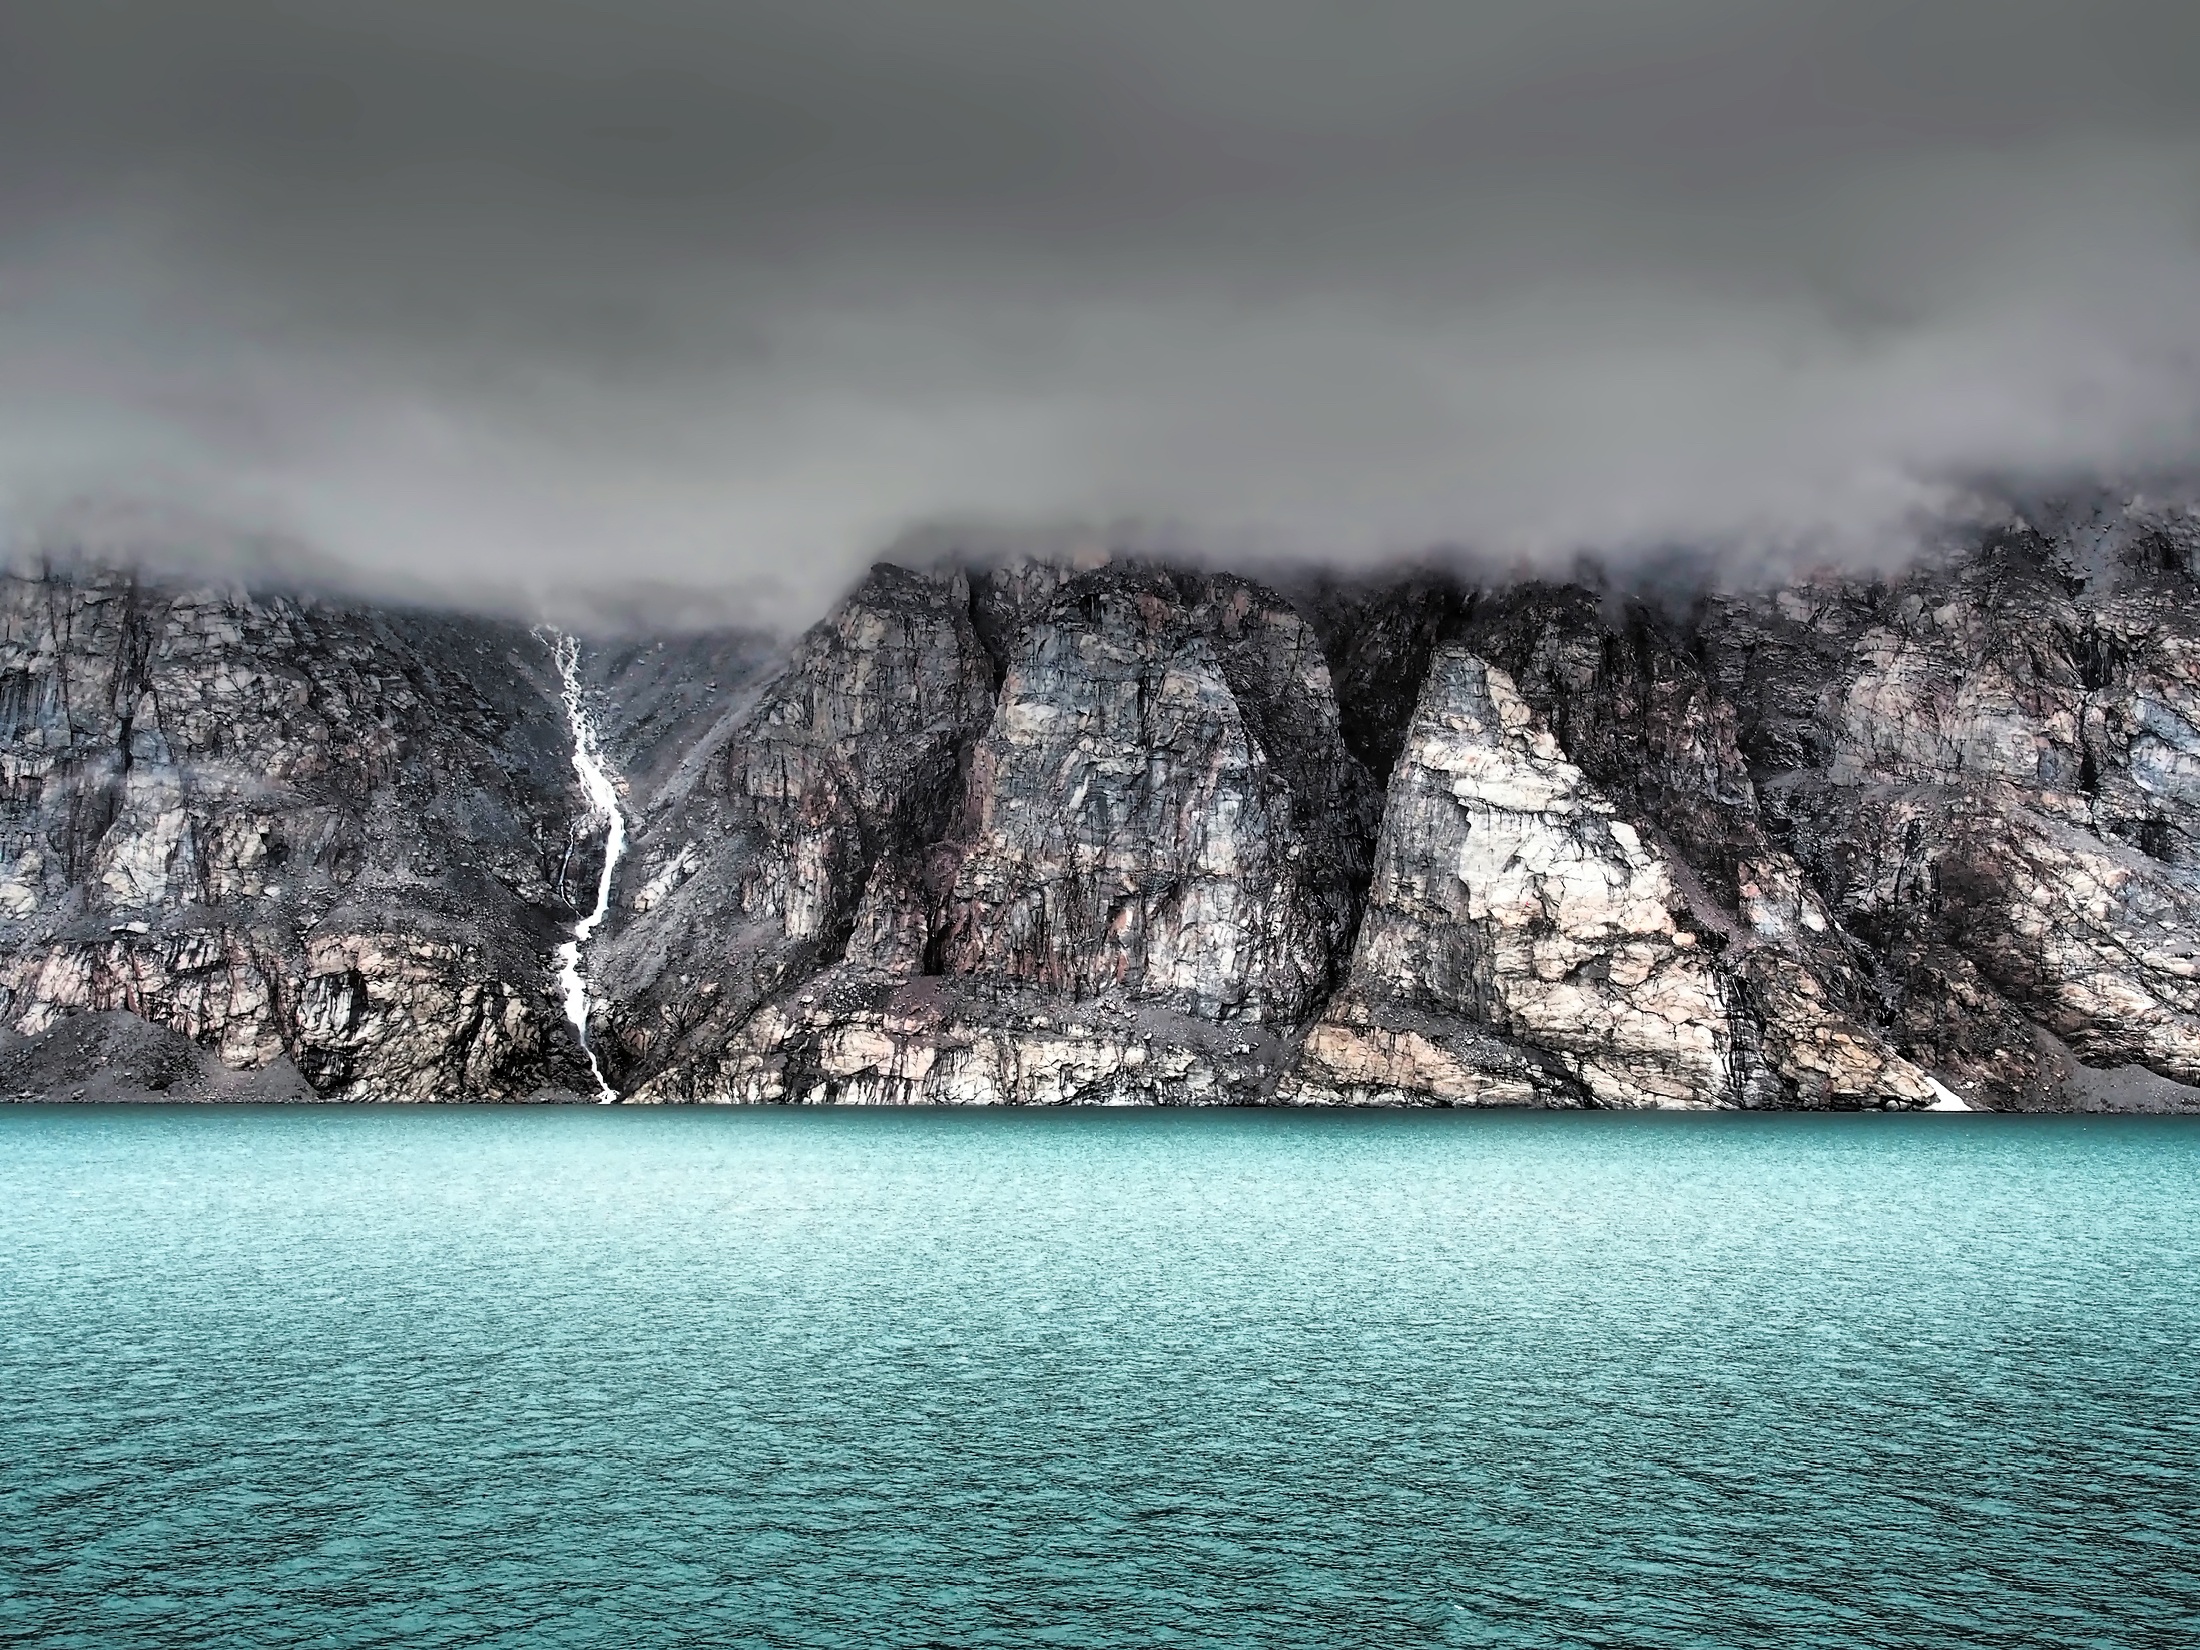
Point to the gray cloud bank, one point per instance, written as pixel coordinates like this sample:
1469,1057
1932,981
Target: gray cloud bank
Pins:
508,297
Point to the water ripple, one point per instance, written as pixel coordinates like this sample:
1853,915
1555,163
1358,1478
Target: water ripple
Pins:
364,1377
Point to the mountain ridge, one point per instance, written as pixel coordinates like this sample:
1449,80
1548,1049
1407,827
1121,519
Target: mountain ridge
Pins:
1024,832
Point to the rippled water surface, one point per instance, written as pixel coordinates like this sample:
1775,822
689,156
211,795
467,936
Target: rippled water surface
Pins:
605,1378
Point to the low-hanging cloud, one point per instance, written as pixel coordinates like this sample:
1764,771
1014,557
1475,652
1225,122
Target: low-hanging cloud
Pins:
499,298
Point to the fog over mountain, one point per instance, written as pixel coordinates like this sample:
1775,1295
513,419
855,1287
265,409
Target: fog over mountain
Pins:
502,298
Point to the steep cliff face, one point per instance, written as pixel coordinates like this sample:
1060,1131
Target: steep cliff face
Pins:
1513,905
1162,808
1988,772
792,828
1411,842
1120,832
1534,936
289,831
1090,837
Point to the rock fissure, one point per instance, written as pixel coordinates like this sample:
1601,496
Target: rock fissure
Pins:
602,795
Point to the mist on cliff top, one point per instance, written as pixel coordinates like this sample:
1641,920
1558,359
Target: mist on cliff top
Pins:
500,298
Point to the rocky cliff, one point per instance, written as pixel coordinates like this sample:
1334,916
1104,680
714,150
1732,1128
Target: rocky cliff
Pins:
1030,833
306,836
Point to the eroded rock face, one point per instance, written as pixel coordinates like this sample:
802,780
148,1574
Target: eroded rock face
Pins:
1624,690
291,831
789,827
1162,809
1984,770
1845,845
1510,896
1132,815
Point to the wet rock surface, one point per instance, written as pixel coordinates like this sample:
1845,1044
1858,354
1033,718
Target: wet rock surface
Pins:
1115,832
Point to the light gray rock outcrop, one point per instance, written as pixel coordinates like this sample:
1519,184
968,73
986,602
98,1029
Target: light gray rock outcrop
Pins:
1509,897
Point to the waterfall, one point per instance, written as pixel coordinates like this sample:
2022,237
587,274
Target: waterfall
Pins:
603,803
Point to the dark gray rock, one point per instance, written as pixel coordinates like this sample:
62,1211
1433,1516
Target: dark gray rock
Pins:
285,829
792,825
118,1057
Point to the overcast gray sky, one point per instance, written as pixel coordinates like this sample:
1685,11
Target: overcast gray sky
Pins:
511,294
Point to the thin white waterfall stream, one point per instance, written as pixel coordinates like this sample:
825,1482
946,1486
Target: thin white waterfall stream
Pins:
603,803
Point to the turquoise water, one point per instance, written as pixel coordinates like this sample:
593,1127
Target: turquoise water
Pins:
600,1378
